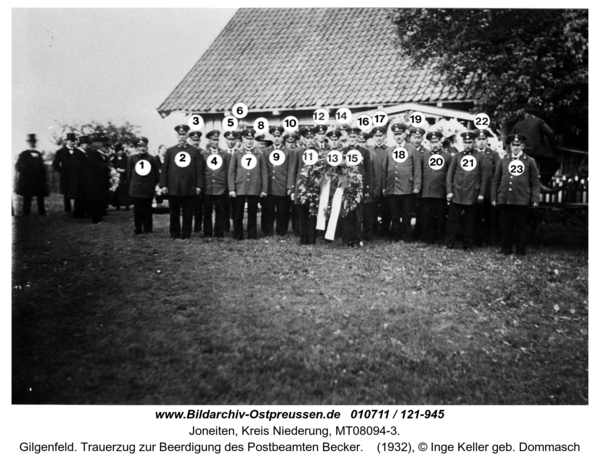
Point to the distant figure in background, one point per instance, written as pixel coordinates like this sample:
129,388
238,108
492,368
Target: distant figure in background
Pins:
160,156
97,177
76,187
143,175
61,164
32,177
119,161
539,142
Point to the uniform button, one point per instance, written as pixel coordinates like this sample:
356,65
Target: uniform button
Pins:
510,189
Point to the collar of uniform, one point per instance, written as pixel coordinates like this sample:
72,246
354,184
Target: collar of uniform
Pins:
513,156
381,147
182,145
278,147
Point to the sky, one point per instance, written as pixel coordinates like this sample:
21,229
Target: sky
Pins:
79,65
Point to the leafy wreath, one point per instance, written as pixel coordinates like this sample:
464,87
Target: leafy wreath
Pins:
345,176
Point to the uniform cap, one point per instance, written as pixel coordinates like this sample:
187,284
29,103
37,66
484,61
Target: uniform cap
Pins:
213,133
379,131
248,133
276,131
398,128
195,135
334,133
182,128
307,131
414,129
320,128
518,137
354,130
435,134
141,141
230,134
485,132
468,136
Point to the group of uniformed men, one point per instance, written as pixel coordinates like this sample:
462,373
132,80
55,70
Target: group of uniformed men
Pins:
475,194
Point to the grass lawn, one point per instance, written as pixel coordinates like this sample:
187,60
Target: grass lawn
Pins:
104,317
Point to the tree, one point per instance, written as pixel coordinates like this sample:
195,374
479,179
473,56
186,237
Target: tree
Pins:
125,133
506,59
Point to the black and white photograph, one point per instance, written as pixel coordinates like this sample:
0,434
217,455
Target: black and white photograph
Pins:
299,206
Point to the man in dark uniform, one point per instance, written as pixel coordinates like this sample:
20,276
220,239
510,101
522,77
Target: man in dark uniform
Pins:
320,141
434,166
515,187
194,138
247,183
182,178
416,139
61,162
465,183
485,215
231,138
31,179
216,174
76,174
402,180
379,150
97,177
143,174
276,204
369,221
352,222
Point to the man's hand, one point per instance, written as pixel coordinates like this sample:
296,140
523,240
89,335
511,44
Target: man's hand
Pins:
262,195
232,194
535,204
494,203
449,197
416,191
288,192
293,196
479,199
367,195
383,192
165,191
198,191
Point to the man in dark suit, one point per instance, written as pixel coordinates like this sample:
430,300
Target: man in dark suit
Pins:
216,176
76,174
31,179
97,177
143,174
276,204
247,183
194,138
182,178
61,162
485,213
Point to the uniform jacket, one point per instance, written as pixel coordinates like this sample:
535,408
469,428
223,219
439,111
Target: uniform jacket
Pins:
364,167
490,158
434,181
182,181
62,158
376,176
278,175
517,190
32,174
466,185
142,186
248,182
216,181
296,165
97,175
401,178
77,182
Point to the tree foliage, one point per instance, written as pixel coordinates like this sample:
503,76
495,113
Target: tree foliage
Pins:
506,59
124,133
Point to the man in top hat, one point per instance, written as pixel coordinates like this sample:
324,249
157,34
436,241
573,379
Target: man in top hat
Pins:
76,175
276,205
247,183
143,174
485,214
402,180
539,142
97,177
182,178
320,134
352,222
434,166
194,140
61,162
231,138
515,187
31,180
465,183
379,150
216,191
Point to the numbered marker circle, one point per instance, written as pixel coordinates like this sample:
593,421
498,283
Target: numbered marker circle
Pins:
380,118
436,162
214,161
334,158
310,157
516,168
353,157
277,157
468,163
261,125
321,116
183,159
290,124
364,121
417,119
343,115
195,122
481,121
230,123
400,154
249,161
239,110
143,168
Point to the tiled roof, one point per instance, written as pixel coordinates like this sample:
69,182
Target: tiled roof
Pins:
304,58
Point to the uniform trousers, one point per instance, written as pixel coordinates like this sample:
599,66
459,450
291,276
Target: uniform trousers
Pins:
238,221
275,210
96,208
228,208
40,204
513,226
400,208
486,223
67,203
183,205
384,209
142,215
79,208
295,213
417,209
307,224
198,216
454,228
218,203
352,235
433,218
369,219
